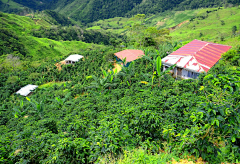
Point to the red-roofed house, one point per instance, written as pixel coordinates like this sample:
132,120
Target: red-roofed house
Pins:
130,55
194,58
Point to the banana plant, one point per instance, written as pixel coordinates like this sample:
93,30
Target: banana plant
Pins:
149,80
20,111
156,74
127,72
37,106
62,101
103,83
151,57
159,74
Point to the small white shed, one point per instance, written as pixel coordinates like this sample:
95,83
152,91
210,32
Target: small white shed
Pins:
25,91
73,59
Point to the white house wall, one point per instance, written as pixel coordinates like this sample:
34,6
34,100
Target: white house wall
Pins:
184,73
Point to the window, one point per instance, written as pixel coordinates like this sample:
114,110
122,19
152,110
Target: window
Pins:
193,74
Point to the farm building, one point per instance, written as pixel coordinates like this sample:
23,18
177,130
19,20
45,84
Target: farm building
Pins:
73,59
130,56
194,58
27,90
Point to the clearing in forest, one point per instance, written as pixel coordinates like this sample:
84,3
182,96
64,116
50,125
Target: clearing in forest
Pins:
49,84
116,66
58,65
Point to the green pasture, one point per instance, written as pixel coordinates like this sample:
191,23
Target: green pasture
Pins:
217,27
47,49
115,25
168,19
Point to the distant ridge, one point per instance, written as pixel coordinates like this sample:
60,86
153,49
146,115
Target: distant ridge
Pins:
91,10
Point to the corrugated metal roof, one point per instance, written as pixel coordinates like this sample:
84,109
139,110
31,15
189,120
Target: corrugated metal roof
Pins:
26,90
130,55
74,57
197,55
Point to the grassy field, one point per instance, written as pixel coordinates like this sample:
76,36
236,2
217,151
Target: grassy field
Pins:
116,25
216,27
39,48
208,25
162,20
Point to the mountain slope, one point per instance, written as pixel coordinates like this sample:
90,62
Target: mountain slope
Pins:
17,38
216,26
92,10
34,4
88,11
10,6
155,6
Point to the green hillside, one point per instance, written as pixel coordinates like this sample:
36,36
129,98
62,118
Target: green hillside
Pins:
89,11
90,112
34,4
17,39
212,24
166,19
216,26
92,10
44,31
10,6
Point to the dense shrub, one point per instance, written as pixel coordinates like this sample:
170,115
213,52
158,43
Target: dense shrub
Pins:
93,113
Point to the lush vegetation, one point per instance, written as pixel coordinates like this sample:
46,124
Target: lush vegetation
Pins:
216,25
95,113
92,10
88,113
10,6
33,39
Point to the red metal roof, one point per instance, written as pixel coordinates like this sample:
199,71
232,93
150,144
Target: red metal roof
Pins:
130,55
206,54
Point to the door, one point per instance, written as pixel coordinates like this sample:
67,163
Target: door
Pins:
179,71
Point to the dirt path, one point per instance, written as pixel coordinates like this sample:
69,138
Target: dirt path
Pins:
179,25
116,66
160,23
58,65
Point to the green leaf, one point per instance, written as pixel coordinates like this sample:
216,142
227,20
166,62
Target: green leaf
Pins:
89,77
104,73
28,99
221,110
220,118
159,64
217,122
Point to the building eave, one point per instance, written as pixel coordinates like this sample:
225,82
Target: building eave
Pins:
167,64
